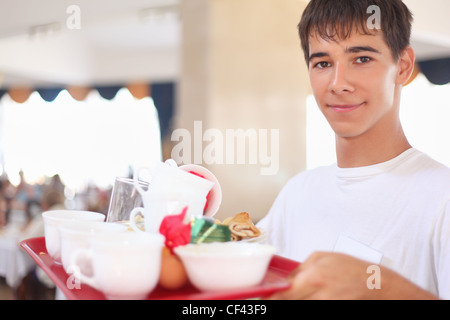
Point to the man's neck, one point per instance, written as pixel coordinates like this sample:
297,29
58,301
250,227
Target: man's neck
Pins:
370,149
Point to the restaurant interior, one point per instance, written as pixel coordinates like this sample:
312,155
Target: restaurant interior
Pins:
91,90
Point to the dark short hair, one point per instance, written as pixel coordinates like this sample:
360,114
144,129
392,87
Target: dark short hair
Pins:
336,19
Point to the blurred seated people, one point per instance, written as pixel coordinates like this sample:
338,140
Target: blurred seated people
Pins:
3,209
51,200
37,285
57,184
23,198
24,193
6,194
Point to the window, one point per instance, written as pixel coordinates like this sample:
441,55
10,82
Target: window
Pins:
84,142
425,114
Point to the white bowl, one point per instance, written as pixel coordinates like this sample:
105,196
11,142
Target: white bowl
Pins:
55,218
76,235
225,265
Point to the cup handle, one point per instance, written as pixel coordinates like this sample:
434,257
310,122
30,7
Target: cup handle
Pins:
133,215
75,269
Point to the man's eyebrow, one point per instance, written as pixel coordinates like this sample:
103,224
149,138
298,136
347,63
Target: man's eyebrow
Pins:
361,49
356,49
318,55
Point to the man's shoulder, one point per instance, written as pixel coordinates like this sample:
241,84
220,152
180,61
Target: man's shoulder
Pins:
433,166
431,174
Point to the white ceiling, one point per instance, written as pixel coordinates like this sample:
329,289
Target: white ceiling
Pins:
118,41
132,40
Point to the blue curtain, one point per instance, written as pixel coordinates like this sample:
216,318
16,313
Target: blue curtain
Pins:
108,92
49,94
2,92
163,95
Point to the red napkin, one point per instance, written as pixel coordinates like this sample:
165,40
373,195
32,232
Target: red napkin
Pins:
176,232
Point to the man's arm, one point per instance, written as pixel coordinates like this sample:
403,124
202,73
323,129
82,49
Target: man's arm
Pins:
339,276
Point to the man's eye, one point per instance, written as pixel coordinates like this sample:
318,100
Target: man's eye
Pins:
322,65
363,60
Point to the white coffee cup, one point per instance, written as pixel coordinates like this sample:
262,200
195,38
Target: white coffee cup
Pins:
124,265
215,196
76,236
169,184
55,218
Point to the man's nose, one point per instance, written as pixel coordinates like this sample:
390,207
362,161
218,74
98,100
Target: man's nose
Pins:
340,81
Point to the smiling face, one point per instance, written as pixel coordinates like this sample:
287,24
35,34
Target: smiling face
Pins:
356,83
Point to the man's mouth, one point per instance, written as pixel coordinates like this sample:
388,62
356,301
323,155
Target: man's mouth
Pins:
342,108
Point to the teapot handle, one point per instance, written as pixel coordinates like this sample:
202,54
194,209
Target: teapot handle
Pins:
171,163
136,175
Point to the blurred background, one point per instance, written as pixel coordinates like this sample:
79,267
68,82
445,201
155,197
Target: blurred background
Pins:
92,89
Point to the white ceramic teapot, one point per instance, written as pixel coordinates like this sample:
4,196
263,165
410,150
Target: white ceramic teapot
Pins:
170,190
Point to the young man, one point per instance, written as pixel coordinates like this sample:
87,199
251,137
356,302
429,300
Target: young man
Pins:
384,201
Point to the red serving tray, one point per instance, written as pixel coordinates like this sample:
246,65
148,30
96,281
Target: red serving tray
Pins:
274,280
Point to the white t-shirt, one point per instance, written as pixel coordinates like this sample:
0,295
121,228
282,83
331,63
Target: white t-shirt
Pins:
396,212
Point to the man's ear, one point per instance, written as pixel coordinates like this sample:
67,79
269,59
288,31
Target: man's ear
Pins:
406,65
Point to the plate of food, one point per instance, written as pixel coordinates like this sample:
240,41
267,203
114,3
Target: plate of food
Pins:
242,228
